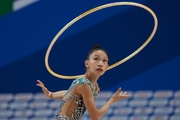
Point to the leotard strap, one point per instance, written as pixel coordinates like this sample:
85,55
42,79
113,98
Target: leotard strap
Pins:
82,81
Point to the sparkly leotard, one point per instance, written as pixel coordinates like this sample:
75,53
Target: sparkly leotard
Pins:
72,106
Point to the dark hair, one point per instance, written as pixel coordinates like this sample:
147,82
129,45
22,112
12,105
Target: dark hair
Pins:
96,47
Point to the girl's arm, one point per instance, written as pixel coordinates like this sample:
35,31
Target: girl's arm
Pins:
49,94
58,94
96,114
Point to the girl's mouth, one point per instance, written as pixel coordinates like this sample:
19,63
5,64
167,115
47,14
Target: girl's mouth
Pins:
99,69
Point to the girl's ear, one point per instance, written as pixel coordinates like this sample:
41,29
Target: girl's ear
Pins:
86,62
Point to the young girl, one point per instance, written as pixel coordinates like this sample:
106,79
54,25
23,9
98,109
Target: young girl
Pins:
82,92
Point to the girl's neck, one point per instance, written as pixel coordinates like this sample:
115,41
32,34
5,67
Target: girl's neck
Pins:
90,76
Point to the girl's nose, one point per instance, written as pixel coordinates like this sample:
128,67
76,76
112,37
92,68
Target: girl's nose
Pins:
100,64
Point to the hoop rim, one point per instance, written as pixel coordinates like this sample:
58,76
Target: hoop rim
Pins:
94,10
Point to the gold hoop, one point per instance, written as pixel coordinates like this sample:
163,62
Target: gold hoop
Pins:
89,12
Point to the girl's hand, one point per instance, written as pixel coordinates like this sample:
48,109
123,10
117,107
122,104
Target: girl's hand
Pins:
119,95
44,89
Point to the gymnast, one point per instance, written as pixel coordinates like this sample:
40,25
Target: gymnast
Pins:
82,93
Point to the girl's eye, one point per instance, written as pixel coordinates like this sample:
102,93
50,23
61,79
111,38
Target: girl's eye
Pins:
95,58
104,60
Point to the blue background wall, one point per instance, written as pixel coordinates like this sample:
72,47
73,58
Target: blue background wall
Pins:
26,34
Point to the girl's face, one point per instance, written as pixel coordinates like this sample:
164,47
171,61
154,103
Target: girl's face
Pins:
97,63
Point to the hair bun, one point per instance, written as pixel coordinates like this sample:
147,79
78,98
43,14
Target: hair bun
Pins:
96,46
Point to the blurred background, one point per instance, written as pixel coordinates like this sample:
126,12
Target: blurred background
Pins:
152,77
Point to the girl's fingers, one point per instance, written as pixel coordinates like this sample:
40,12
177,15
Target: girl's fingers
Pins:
121,94
117,92
124,93
127,96
42,86
40,82
39,85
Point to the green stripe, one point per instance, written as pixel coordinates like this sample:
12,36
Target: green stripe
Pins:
6,6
